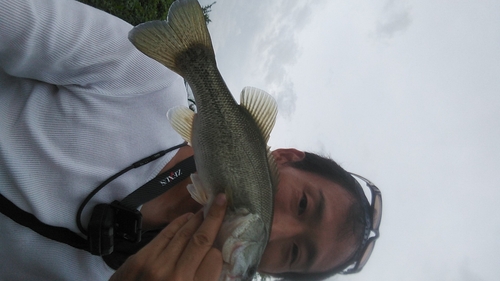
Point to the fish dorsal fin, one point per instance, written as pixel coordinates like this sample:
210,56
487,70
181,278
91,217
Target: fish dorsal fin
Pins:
181,119
262,107
273,169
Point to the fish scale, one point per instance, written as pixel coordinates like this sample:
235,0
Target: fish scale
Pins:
229,140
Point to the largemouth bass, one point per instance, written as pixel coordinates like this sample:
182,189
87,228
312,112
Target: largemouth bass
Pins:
229,139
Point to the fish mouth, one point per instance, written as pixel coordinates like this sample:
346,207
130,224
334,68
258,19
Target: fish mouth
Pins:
228,275
232,277
230,256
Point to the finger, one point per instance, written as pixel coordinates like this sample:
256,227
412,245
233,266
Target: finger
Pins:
211,266
204,237
163,238
150,261
180,240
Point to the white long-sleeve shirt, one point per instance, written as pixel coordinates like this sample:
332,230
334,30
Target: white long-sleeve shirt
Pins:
78,103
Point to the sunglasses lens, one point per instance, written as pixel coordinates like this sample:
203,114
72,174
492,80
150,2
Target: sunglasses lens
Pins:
377,211
366,254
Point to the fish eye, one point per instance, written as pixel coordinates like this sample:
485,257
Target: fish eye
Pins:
302,204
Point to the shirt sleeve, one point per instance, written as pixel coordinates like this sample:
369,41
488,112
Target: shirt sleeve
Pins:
65,42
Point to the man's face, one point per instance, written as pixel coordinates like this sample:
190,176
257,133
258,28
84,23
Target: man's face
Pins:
308,213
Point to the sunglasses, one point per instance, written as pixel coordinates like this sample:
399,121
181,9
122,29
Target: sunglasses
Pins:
375,216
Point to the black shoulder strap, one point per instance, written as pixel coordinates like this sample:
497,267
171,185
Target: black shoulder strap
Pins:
160,184
148,191
59,234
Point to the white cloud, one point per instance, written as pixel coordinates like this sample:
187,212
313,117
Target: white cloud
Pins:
279,48
286,96
468,274
395,18
419,116
265,32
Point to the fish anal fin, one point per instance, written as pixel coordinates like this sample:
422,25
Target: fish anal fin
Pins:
262,107
181,118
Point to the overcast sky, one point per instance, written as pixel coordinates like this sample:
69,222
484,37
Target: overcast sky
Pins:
406,93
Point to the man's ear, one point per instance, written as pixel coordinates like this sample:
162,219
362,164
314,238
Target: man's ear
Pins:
287,155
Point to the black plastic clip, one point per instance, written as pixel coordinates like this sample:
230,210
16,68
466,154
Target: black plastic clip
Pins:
113,221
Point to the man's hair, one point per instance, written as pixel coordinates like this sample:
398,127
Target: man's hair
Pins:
355,222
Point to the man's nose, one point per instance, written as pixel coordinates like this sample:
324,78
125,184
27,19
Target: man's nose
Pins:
285,228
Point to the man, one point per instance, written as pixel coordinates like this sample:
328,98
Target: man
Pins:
79,103
313,234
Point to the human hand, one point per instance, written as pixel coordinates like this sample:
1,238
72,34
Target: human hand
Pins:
181,251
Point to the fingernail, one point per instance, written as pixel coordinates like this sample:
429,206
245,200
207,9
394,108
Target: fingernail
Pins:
190,215
220,199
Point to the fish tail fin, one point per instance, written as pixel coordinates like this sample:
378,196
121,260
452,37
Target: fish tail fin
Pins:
165,41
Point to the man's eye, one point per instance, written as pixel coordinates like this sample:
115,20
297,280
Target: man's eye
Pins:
302,204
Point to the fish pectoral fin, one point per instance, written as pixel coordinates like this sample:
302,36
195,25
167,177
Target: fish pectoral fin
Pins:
263,108
198,192
181,118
